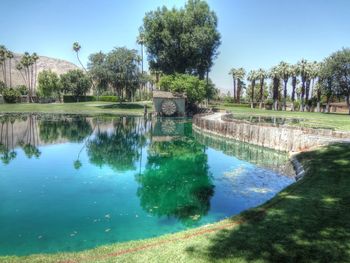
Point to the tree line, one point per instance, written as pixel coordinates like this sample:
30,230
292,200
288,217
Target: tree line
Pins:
311,83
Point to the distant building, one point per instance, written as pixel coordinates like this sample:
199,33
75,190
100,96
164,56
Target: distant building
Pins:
169,104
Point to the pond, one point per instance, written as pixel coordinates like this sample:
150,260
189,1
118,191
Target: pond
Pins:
70,182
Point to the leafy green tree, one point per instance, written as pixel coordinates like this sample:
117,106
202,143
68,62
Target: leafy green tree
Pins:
338,64
123,71
182,40
49,84
75,82
194,88
99,71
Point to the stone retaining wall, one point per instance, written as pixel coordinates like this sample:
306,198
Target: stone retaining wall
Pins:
282,138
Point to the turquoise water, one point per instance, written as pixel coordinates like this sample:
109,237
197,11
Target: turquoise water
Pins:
69,183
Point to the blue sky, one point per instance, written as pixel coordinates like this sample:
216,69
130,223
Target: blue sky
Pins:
255,33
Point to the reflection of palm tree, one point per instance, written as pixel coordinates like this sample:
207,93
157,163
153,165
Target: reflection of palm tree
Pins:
6,147
31,138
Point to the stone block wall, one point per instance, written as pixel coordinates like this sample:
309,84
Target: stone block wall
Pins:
282,138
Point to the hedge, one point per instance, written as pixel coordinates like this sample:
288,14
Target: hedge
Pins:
70,98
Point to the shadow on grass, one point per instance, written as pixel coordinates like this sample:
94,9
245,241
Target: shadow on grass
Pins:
308,222
124,106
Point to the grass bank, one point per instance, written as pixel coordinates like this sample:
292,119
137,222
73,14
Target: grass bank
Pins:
307,222
95,107
336,121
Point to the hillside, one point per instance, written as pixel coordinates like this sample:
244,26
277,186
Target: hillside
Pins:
56,65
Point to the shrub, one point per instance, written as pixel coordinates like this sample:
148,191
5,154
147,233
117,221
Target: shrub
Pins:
22,89
107,98
268,101
11,95
2,86
71,98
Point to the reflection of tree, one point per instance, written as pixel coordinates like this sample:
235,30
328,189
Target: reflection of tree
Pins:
119,149
176,180
7,152
74,128
31,138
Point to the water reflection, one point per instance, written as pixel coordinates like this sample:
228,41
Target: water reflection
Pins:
118,179
176,181
121,147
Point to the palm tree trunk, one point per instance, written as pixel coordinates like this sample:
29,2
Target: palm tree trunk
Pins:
10,72
261,93
252,99
234,90
302,95
285,95
5,75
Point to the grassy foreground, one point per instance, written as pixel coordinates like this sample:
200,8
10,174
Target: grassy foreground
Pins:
336,121
96,107
307,222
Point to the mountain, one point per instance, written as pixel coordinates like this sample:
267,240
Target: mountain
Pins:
44,63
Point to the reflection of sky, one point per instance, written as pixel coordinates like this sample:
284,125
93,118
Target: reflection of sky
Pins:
46,205
240,185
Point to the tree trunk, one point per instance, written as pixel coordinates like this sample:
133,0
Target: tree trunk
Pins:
285,95
261,93
238,90
252,99
10,73
302,95
327,105
5,75
307,94
348,102
318,106
234,90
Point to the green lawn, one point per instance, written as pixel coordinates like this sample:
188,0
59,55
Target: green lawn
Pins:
307,222
336,121
95,107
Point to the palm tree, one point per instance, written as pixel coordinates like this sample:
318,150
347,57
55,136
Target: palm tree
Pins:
285,73
274,74
10,56
233,73
26,62
252,76
315,71
294,75
240,76
302,71
76,48
141,41
3,51
35,58
261,76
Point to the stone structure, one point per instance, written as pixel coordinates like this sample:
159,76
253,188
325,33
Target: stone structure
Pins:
282,138
169,104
